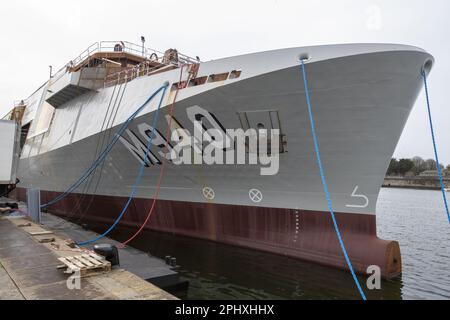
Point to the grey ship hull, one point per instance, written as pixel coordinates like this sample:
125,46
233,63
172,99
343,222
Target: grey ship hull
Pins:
360,103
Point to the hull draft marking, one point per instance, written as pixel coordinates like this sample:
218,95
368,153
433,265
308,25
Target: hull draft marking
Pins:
297,224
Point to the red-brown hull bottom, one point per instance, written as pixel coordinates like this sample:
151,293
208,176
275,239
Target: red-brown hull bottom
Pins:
307,235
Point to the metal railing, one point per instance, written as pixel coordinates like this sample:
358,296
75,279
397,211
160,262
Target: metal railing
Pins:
141,69
128,47
16,113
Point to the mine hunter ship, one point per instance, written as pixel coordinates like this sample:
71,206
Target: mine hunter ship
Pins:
361,97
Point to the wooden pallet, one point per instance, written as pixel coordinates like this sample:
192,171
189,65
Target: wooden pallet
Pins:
85,264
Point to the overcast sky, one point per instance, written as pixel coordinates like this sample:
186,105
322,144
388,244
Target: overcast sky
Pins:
36,34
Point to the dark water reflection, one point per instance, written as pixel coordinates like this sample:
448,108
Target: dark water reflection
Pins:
217,271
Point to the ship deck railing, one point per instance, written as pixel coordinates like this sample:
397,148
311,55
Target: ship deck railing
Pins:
139,70
17,111
154,61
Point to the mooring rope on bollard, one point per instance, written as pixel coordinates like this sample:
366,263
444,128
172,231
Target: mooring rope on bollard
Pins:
438,167
161,173
105,152
138,177
324,183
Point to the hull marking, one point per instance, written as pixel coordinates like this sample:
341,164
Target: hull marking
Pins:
255,195
361,196
208,193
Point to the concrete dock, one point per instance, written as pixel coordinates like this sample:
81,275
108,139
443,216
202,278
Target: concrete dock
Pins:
29,256
145,266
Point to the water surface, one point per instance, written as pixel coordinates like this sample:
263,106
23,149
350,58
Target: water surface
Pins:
415,218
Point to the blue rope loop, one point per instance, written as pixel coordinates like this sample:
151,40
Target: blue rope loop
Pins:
106,151
324,183
138,177
438,167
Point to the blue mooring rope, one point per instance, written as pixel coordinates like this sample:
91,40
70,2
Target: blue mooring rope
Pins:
137,180
105,152
438,167
324,183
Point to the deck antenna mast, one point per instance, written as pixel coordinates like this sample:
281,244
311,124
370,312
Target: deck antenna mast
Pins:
143,45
